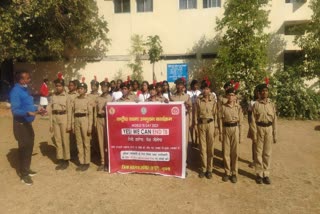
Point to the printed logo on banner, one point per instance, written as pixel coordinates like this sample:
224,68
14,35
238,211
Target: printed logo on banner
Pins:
112,111
143,110
175,111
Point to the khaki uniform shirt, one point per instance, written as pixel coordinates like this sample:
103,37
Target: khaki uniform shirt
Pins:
93,97
184,98
82,105
129,98
157,98
59,102
230,114
101,103
264,112
205,109
71,96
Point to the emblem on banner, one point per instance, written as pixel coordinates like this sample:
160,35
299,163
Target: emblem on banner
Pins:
175,111
112,111
143,110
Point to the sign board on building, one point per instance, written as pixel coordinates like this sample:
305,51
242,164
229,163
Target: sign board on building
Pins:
175,71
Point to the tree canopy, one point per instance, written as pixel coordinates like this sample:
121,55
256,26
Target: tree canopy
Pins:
51,29
310,42
242,54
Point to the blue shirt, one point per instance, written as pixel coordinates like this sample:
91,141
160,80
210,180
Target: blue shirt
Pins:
21,103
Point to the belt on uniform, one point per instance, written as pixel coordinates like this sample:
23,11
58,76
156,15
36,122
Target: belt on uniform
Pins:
262,124
101,115
230,124
59,112
204,121
80,114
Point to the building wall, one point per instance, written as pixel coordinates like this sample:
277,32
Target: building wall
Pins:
181,31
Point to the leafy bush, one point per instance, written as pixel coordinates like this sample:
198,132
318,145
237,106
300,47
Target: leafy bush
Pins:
293,98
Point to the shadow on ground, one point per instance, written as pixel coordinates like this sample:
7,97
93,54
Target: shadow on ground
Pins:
13,159
48,151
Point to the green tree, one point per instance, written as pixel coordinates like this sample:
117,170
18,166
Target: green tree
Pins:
55,30
155,51
243,47
304,102
137,50
310,42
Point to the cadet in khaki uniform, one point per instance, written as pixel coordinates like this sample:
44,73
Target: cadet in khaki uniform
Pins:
82,123
180,95
94,91
205,115
100,118
264,129
193,130
154,95
94,84
250,134
72,94
126,95
222,99
57,110
230,119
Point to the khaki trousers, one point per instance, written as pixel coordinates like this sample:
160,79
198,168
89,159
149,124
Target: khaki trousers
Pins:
82,138
263,151
206,135
59,123
230,149
102,138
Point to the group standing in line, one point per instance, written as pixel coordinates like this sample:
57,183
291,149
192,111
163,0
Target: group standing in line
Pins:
78,118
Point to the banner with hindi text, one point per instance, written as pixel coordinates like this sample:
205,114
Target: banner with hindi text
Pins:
147,138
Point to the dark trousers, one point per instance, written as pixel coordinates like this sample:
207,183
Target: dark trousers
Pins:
24,134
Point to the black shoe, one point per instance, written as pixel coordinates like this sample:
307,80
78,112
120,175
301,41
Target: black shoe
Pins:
60,165
201,175
26,180
258,180
65,164
266,180
225,178
234,179
80,167
32,173
85,167
208,175
100,168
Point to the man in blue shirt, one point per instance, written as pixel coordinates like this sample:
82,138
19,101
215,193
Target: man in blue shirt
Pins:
24,112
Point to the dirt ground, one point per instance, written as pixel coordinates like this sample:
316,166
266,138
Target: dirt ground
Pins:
295,180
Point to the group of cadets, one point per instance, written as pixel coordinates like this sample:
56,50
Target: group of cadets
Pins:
79,118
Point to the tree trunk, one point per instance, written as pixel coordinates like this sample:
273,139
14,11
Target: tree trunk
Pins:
6,79
153,73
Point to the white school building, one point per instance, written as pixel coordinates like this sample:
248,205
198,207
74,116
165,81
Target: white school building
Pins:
187,31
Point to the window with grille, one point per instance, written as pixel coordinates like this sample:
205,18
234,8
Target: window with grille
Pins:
144,5
187,4
211,3
121,6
